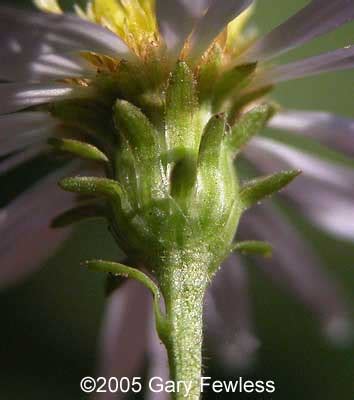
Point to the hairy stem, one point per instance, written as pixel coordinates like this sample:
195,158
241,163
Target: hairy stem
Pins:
184,286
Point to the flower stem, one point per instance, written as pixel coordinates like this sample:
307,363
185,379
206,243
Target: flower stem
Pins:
184,288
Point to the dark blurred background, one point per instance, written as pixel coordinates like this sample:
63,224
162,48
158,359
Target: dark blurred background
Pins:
50,324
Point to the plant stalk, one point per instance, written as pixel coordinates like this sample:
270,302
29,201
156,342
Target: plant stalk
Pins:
184,287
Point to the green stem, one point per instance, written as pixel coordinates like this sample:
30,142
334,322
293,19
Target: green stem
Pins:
184,284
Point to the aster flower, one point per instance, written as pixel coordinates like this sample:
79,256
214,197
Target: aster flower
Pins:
189,88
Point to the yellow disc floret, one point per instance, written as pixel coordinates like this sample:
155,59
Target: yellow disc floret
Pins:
132,20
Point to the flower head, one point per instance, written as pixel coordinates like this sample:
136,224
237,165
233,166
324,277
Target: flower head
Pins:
189,89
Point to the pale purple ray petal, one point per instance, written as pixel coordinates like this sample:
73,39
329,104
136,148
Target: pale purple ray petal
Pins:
332,130
17,96
219,14
269,155
340,59
46,67
125,334
293,264
26,236
25,33
231,324
23,129
177,19
158,364
20,157
324,192
316,19
331,211
196,7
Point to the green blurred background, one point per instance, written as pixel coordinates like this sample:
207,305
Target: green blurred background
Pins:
50,323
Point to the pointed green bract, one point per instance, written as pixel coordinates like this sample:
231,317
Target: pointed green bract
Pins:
253,247
132,273
257,189
80,149
249,125
209,73
138,156
182,129
124,271
231,82
136,128
212,139
92,186
216,179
